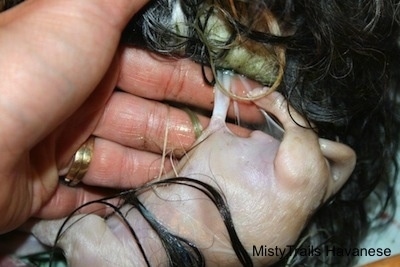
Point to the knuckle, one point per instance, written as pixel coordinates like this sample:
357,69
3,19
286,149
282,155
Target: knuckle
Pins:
157,122
176,82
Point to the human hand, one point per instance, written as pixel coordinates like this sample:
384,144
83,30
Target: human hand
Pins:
131,134
58,68
66,72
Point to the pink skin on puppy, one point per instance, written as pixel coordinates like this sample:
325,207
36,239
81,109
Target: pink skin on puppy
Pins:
271,188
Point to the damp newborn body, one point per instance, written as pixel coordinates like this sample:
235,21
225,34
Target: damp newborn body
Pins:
338,74
270,187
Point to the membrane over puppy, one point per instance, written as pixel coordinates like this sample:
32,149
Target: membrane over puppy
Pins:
267,203
216,154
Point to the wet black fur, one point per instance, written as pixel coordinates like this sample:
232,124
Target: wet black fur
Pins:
341,74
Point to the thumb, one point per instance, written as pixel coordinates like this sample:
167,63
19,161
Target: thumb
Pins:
55,54
118,11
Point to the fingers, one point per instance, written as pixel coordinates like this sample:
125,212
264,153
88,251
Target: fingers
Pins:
143,124
154,77
150,125
117,166
136,139
54,54
132,135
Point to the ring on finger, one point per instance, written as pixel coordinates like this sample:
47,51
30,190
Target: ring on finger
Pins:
80,163
197,127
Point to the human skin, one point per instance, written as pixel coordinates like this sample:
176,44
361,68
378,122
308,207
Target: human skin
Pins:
57,53
271,188
74,78
60,64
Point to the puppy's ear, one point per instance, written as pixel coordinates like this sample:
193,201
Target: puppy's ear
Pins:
341,159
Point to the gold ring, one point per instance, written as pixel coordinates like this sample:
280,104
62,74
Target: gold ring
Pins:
80,163
197,127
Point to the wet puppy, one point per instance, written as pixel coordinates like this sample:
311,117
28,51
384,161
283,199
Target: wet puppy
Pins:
226,197
230,197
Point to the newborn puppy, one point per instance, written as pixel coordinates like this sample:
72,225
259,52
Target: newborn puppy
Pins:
270,189
231,196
